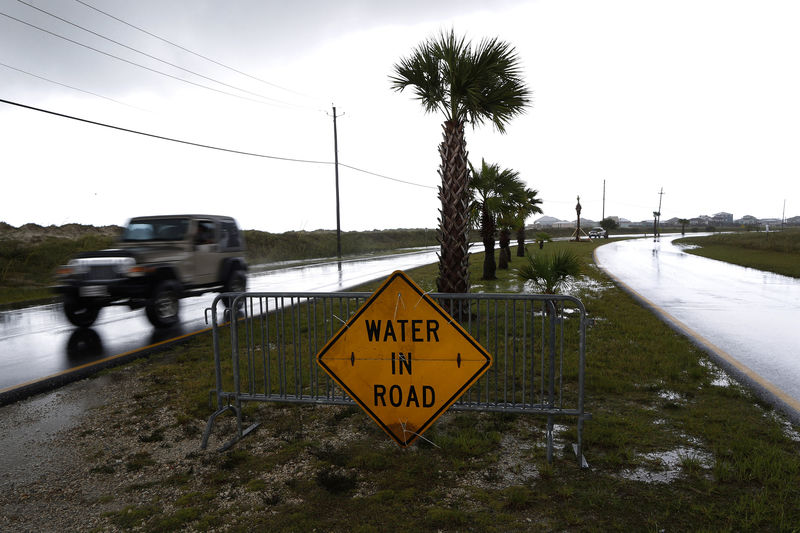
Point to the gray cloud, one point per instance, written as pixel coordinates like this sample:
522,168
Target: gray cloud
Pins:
247,35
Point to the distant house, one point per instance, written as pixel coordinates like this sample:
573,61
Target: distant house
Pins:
563,224
722,219
625,223
747,220
545,222
702,220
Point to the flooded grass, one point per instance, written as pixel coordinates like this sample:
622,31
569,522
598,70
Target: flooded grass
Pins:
582,288
720,378
669,465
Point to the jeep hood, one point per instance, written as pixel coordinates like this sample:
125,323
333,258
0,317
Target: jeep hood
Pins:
158,253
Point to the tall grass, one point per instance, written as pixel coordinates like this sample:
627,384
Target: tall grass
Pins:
23,263
265,247
27,267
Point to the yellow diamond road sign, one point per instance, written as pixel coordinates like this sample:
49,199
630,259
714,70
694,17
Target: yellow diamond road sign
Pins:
403,359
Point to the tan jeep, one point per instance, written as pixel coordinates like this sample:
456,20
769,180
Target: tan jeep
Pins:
157,261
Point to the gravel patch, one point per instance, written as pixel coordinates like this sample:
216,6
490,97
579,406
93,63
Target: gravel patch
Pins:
67,461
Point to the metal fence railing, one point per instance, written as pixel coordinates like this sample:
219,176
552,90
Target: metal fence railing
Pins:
537,342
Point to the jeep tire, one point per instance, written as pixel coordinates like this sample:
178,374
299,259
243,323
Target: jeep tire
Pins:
79,312
236,282
162,308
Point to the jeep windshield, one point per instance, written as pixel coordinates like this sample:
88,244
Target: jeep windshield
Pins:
156,229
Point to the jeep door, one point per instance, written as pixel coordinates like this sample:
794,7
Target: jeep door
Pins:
206,252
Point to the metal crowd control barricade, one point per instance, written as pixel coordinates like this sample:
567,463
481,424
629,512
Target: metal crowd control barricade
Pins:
268,353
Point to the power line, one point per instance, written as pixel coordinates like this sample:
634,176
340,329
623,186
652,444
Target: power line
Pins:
133,62
162,137
387,177
67,86
201,145
150,55
232,69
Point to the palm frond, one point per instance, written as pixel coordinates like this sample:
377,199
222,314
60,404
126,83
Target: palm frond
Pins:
475,86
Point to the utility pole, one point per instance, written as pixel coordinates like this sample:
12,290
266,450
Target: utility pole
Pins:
604,201
658,215
783,216
336,167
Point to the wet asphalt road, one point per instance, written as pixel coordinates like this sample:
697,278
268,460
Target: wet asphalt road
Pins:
38,342
747,318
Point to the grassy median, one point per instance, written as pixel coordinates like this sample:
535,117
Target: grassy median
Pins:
673,445
776,251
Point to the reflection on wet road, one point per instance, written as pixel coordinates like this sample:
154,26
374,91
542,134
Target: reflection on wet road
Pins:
748,315
37,342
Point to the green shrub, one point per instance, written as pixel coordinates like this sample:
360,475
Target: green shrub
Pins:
549,271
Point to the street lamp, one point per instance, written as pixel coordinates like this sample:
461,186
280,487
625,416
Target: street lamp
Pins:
656,214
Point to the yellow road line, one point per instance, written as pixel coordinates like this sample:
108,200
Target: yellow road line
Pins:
100,361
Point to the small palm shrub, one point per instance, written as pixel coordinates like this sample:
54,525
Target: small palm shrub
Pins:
549,271
541,238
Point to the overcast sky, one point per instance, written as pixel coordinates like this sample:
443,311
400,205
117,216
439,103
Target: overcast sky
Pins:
699,97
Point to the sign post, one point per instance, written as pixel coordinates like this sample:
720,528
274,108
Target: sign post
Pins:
403,359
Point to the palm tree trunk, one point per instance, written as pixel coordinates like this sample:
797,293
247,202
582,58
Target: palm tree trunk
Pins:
521,241
454,214
487,234
505,251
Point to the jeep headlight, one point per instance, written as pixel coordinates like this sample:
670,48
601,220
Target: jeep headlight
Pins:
124,265
130,269
77,267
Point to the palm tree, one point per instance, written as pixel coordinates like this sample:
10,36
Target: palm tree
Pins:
467,86
522,201
683,222
541,238
528,208
506,222
493,192
608,224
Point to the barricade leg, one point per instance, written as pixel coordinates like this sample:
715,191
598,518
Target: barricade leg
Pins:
239,432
